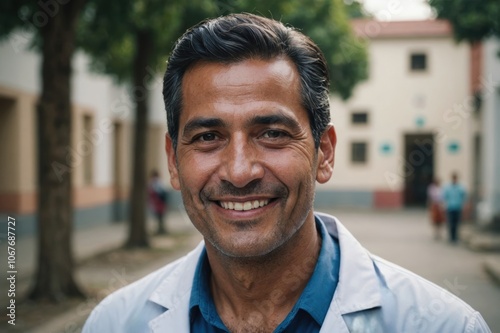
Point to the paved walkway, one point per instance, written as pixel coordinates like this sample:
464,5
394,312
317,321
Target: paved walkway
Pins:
485,242
104,238
86,244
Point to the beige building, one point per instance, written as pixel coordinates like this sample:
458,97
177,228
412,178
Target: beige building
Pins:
488,179
412,120
99,159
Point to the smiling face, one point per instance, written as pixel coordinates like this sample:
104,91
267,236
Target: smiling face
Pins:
245,161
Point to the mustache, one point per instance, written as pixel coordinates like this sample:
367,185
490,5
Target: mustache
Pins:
254,188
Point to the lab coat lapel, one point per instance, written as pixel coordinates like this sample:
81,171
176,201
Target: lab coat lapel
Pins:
174,294
358,288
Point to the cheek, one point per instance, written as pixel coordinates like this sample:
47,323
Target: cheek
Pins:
196,170
300,158
292,168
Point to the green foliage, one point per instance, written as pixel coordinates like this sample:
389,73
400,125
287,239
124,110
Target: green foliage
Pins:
355,9
9,15
18,15
108,30
472,20
326,22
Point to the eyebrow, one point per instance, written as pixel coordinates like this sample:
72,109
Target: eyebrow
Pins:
202,122
280,119
205,122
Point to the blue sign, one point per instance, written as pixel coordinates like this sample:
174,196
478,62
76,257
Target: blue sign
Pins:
453,147
386,148
420,121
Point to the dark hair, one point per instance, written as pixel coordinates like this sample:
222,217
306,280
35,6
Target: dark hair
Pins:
237,37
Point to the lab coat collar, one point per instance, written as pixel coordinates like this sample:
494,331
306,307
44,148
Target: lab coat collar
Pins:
173,294
358,287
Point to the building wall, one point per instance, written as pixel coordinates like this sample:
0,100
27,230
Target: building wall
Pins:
490,88
17,149
399,102
99,159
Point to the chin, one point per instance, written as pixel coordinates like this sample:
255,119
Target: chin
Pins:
247,250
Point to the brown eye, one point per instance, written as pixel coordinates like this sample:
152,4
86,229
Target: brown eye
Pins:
274,134
207,137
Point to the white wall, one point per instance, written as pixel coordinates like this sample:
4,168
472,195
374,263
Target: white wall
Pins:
491,131
19,67
92,93
157,113
394,97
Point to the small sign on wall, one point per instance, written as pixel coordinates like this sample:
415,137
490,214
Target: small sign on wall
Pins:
386,148
453,147
420,121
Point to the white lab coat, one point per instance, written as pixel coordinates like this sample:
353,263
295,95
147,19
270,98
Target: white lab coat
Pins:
372,296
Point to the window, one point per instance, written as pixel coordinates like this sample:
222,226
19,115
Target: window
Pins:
359,118
359,152
87,152
418,62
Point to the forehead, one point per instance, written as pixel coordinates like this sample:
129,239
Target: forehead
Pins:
239,86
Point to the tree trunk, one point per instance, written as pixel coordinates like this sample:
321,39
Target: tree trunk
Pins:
54,278
138,236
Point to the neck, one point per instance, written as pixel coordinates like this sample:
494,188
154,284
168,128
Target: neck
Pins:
261,291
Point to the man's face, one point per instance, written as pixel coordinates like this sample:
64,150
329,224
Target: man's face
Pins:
245,161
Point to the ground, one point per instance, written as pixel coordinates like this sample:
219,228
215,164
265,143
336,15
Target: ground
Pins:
98,276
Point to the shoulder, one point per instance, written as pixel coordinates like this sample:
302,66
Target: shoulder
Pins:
132,307
111,314
413,302
375,293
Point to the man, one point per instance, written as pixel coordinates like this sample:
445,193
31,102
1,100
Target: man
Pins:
454,199
249,135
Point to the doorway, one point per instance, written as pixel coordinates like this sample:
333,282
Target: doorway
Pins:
418,168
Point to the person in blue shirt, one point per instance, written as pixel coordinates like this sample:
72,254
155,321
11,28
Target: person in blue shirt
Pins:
249,135
454,196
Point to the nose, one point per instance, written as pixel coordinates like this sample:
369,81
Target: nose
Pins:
240,162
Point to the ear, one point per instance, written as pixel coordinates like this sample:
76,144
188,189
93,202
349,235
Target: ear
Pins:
172,164
326,155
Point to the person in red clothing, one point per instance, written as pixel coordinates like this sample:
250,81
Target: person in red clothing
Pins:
158,198
435,203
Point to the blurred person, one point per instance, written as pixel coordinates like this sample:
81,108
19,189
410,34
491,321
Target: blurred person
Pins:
436,209
454,196
249,134
158,200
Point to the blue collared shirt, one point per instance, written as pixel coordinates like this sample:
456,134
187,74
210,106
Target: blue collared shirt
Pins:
308,313
454,196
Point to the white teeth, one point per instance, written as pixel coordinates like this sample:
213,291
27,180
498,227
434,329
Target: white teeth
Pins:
247,205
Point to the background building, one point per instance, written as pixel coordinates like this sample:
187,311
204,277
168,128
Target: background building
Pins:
489,176
99,159
429,107
412,119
